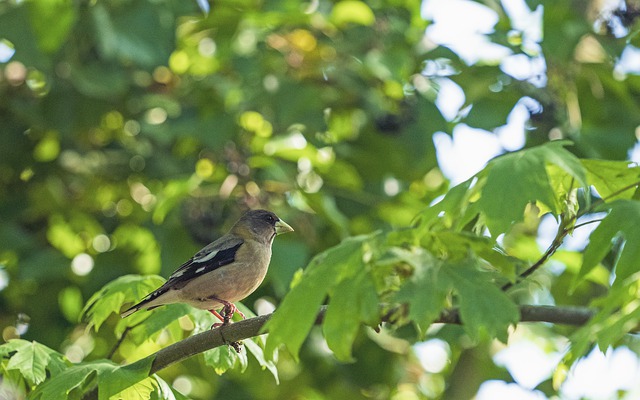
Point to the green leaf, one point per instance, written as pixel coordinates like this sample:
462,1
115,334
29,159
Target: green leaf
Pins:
623,219
517,179
142,245
484,308
32,359
221,359
255,346
491,111
112,381
137,33
138,391
426,291
352,11
165,391
115,294
611,178
618,313
112,378
61,385
294,318
157,321
449,210
353,302
52,21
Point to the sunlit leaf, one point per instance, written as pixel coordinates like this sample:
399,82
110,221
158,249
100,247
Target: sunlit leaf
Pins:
521,178
112,381
352,11
52,21
612,179
137,391
114,295
143,246
32,359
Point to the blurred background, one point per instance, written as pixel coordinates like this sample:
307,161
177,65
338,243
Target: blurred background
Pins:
135,131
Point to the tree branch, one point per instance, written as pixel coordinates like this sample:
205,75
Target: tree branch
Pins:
251,327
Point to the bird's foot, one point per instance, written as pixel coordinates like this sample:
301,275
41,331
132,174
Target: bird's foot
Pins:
228,312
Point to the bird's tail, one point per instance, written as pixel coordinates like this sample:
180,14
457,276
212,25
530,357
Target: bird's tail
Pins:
154,299
130,311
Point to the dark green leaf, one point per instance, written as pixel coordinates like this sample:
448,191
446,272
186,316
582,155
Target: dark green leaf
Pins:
426,291
491,112
255,346
354,301
137,33
484,308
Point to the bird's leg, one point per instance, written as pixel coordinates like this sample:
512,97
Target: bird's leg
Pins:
228,310
216,314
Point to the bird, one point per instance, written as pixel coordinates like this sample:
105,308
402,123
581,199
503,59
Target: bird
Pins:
225,271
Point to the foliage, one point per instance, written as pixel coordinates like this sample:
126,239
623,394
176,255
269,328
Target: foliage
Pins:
135,131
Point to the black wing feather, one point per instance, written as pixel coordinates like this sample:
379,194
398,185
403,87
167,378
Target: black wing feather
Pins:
194,268
191,269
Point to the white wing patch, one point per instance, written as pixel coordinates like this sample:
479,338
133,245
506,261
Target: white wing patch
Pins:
177,274
205,257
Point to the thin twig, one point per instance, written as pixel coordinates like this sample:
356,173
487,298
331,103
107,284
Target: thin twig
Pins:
580,225
564,229
116,346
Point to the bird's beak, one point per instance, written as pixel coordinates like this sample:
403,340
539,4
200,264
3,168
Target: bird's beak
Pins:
283,227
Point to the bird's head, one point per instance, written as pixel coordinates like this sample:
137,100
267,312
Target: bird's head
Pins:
264,224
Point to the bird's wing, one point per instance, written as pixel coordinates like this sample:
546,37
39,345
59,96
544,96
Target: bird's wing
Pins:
213,256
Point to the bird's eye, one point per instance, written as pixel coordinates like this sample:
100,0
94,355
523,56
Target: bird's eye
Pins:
270,218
